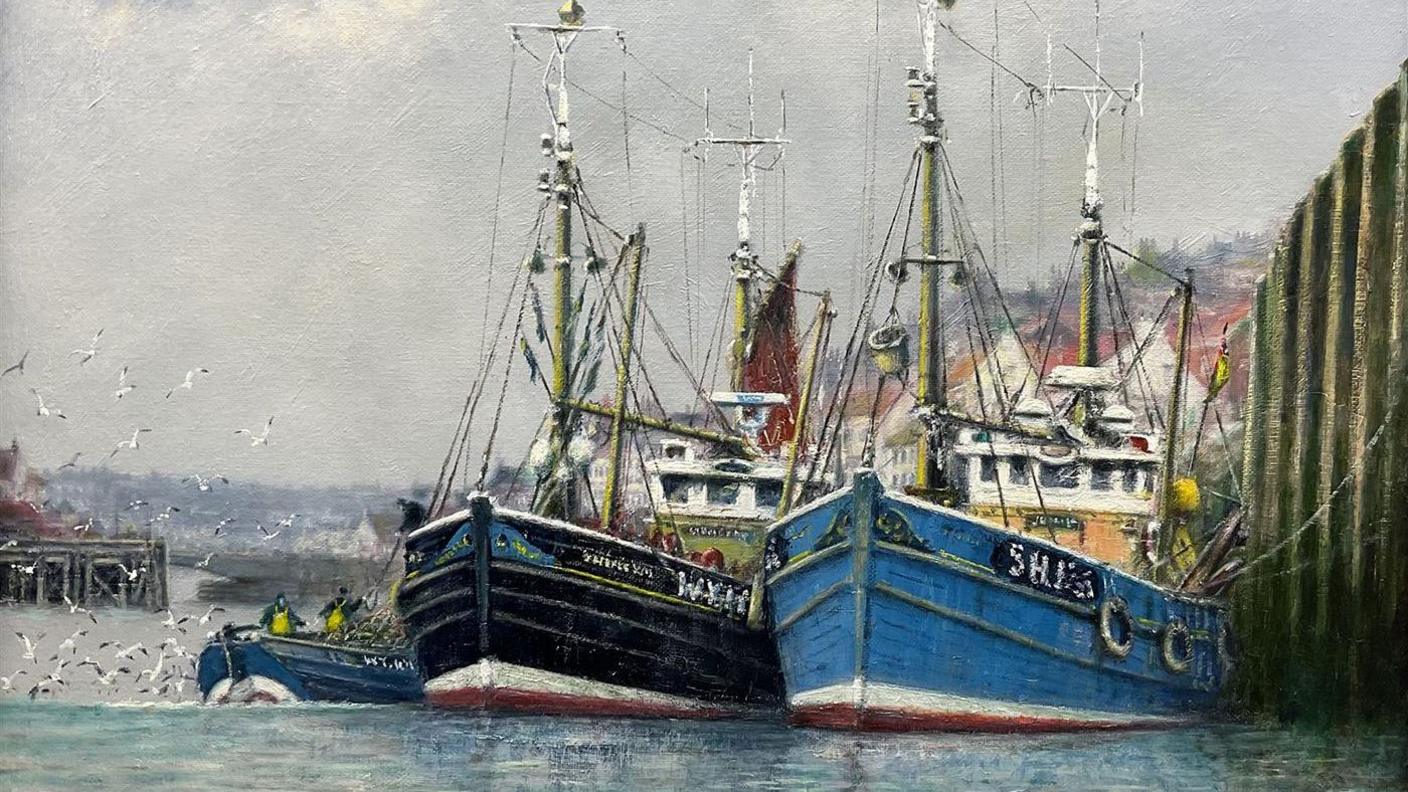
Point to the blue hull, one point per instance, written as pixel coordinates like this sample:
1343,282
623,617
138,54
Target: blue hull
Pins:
269,668
892,613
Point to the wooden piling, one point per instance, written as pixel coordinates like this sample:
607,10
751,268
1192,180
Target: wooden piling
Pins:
1322,610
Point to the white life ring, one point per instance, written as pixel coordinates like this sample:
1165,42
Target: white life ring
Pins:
1177,646
1114,610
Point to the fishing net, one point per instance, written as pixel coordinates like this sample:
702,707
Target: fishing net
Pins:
380,628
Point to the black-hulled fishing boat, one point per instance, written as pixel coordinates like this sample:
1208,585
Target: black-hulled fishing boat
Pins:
547,610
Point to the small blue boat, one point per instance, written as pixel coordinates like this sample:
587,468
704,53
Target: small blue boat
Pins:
891,613
245,665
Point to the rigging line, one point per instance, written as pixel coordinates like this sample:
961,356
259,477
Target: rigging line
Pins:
626,134
992,448
1033,90
1354,473
777,282
1107,268
657,127
673,351
1151,265
498,194
1227,452
1120,92
522,463
851,356
1143,346
1052,321
503,393
715,341
684,258
979,311
952,182
1141,372
904,248
676,91
1034,13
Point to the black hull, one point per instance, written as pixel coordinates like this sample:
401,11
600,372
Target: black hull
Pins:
583,606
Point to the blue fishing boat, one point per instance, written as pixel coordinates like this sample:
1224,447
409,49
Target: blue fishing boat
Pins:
1037,571
246,665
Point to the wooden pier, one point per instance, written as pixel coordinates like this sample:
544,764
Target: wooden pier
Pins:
122,572
1321,609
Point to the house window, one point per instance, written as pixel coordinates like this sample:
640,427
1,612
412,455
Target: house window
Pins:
1131,478
676,488
1102,475
1019,470
723,492
769,494
1148,478
1060,476
987,468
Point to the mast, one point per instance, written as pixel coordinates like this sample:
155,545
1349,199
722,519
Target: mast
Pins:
561,499
1175,411
1098,97
824,314
744,260
611,496
931,397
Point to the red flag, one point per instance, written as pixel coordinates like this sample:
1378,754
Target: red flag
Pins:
771,365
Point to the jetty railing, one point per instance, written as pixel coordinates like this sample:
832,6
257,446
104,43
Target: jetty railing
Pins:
1321,610
89,572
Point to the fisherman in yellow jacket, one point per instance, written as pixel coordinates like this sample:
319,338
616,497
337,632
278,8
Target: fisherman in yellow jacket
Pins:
279,618
339,610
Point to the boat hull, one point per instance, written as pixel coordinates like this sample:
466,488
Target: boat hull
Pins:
893,614
272,669
574,622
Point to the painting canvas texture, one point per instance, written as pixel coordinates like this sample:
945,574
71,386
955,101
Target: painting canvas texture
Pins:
908,394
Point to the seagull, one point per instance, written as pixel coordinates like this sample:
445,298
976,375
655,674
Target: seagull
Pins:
129,444
72,462
137,504
165,514
9,544
177,650
267,536
220,526
173,623
6,683
74,608
122,387
209,614
107,678
27,570
203,563
29,646
286,522
126,654
92,350
18,366
70,644
131,573
203,482
259,439
83,526
52,679
45,410
189,382
155,671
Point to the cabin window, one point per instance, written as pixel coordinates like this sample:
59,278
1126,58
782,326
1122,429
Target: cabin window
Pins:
1060,476
1148,478
1102,475
987,468
767,494
676,488
723,492
1019,470
1131,478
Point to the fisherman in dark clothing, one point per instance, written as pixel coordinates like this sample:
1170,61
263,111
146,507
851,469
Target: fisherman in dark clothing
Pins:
338,610
279,618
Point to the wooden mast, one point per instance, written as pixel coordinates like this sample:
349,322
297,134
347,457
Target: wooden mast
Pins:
1175,410
931,397
824,315
560,497
611,496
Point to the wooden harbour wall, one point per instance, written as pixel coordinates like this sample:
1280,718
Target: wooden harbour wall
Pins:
89,572
1321,611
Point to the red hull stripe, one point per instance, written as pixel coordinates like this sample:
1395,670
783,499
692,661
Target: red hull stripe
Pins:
503,699
852,718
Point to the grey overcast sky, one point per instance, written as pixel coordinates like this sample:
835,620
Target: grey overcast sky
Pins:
299,195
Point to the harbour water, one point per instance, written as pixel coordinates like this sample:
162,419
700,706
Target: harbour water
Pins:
57,745
117,737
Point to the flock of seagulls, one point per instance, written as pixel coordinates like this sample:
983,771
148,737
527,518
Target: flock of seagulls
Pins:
46,408
172,665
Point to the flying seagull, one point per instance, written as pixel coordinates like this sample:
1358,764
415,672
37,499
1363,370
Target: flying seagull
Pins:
129,444
6,683
189,382
29,646
89,353
203,482
18,366
203,563
72,462
258,439
123,388
267,536
45,410
75,608
209,614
